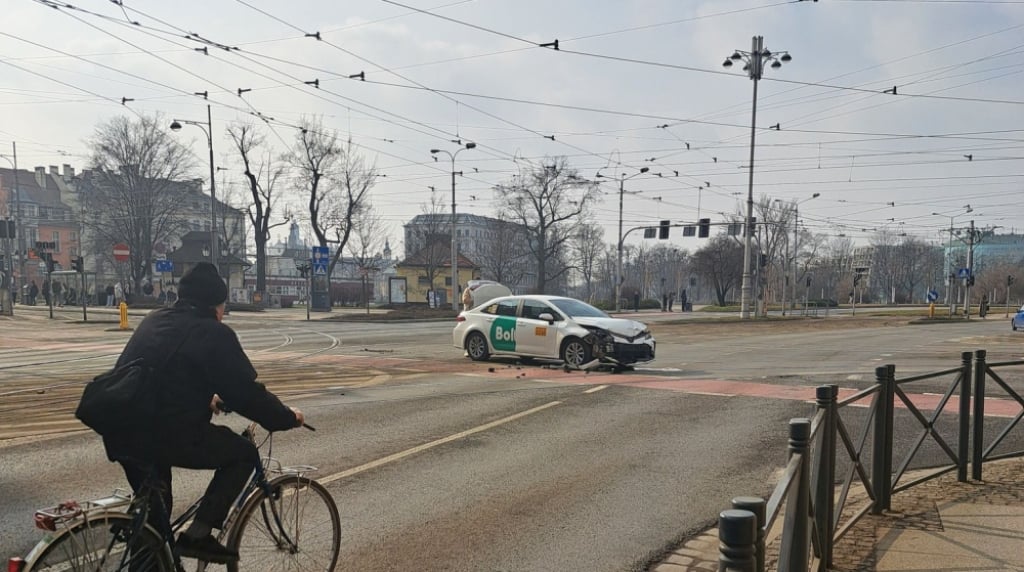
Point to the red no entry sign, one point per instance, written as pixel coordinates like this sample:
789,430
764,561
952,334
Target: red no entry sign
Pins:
121,252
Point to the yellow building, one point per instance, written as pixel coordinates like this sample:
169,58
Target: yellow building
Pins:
414,271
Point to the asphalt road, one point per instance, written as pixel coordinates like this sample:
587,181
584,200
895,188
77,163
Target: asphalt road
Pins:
438,463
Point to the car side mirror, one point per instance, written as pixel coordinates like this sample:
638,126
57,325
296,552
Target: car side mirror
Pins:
547,317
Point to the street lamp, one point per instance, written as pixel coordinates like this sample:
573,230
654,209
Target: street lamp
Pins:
208,130
618,267
949,247
754,61
19,232
455,248
796,242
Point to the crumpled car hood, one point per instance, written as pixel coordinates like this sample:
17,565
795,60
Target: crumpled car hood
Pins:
623,328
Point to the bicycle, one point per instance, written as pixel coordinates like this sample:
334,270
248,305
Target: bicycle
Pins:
287,522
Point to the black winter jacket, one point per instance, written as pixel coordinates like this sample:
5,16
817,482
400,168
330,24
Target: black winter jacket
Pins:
210,360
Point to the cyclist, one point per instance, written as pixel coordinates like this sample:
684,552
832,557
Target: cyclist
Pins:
209,364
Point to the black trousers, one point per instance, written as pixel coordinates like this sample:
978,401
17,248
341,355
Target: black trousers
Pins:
215,447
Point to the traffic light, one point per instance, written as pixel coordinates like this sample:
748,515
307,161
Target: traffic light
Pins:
77,264
970,280
703,228
762,260
1009,280
48,259
663,229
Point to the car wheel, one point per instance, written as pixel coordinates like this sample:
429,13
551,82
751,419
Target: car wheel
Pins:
476,347
575,352
1013,325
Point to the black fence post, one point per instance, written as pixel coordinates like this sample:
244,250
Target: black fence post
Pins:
736,536
963,442
796,527
755,505
824,481
879,478
979,413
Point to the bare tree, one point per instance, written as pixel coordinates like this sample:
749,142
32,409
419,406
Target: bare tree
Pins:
720,261
364,246
336,181
433,238
262,177
548,201
588,246
131,195
503,255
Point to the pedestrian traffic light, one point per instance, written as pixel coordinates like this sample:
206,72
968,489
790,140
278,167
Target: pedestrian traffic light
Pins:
703,228
77,264
663,229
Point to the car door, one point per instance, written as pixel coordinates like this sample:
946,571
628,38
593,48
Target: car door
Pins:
501,326
534,336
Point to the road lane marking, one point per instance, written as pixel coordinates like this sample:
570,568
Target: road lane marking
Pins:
596,389
420,448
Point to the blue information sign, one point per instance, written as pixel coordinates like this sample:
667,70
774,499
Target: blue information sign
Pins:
320,260
933,295
165,266
964,273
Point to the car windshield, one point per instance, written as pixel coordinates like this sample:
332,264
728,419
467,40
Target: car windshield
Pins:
577,309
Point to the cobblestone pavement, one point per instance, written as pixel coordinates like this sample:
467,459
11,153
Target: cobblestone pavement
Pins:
872,543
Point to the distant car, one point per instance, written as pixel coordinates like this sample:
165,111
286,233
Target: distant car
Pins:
551,327
1018,319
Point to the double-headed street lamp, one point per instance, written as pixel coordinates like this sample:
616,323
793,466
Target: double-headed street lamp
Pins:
949,247
754,61
618,267
208,130
455,247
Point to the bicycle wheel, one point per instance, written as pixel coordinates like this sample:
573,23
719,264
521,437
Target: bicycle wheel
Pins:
297,527
104,543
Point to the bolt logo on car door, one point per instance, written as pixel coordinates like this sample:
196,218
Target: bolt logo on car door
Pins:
503,334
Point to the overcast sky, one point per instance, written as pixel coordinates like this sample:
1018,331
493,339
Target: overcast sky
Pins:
634,84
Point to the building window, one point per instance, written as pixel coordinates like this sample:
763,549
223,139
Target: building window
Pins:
30,211
56,241
422,281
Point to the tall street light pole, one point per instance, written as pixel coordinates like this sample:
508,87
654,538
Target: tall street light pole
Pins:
208,130
455,244
19,241
949,251
754,66
618,266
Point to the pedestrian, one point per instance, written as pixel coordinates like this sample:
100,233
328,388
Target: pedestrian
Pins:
467,298
983,307
671,299
33,292
207,368
47,292
118,293
58,291
664,301
109,291
636,300
683,304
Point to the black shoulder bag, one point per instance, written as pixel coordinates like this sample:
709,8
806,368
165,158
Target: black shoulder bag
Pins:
125,398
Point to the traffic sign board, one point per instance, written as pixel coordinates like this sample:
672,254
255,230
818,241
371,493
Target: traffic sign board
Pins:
164,266
964,273
933,295
121,252
320,260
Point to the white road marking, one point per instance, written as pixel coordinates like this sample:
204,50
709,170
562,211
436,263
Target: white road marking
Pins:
855,377
658,368
420,448
596,389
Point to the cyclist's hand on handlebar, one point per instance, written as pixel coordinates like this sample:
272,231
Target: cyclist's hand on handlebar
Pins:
300,419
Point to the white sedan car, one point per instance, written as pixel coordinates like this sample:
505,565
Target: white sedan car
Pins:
551,327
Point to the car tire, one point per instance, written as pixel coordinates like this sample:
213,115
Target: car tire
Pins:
575,352
1013,325
476,347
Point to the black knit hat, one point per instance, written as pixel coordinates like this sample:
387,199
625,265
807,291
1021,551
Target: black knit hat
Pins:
203,286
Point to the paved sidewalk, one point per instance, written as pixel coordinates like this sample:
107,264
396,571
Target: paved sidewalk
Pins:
938,525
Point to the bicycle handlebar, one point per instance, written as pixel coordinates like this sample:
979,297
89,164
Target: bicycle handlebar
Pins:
227,411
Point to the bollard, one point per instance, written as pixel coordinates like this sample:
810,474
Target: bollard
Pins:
124,316
979,414
756,506
931,310
793,553
736,536
963,439
824,479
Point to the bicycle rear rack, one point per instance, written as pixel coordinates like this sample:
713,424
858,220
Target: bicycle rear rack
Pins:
69,511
